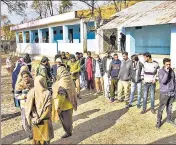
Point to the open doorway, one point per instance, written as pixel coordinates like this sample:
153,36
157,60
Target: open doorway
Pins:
70,36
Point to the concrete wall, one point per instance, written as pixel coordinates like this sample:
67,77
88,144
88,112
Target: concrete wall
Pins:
154,39
48,49
173,45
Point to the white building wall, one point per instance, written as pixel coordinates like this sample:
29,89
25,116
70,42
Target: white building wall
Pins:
92,45
173,45
47,49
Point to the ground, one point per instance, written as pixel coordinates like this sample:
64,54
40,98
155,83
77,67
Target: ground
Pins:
95,122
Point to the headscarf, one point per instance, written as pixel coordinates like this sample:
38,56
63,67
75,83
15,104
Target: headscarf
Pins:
23,68
65,82
23,85
38,99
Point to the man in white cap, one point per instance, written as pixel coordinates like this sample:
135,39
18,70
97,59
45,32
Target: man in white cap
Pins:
58,62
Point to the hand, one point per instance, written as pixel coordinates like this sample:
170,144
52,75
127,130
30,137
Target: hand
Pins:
35,122
154,81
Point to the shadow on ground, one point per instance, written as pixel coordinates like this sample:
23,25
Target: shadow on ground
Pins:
167,140
20,135
6,117
93,126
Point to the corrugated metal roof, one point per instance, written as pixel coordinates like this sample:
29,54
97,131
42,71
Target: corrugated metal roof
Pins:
144,13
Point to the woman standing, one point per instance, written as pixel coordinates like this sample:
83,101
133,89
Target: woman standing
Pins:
21,90
27,60
64,100
38,112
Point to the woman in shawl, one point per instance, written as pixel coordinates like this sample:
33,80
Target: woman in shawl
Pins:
21,90
27,60
64,100
38,112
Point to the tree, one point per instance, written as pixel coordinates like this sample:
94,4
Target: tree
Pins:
65,6
9,35
43,8
17,6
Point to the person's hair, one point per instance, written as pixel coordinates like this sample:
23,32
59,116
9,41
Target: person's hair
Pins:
25,72
77,53
133,56
125,53
166,60
147,54
115,54
44,59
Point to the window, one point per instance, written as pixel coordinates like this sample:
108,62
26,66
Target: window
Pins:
138,27
36,33
61,31
55,32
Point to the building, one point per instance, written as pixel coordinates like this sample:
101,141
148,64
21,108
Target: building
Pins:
150,26
65,32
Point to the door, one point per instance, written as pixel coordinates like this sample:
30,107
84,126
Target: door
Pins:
70,37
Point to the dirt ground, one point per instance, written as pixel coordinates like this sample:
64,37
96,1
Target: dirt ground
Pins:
95,122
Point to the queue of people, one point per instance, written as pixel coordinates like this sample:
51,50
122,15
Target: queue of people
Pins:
52,93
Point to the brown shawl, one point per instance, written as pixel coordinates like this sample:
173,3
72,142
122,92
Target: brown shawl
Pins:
38,99
23,68
64,81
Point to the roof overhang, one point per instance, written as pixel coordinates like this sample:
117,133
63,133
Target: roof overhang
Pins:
70,16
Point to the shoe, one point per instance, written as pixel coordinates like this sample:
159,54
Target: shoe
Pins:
138,106
128,106
67,135
78,96
171,122
153,111
112,100
158,125
143,111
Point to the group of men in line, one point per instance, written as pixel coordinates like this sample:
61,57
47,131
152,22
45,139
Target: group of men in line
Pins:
50,95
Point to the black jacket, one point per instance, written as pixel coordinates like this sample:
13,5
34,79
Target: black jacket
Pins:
105,64
136,73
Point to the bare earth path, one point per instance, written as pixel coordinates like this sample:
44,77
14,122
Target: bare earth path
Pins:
96,122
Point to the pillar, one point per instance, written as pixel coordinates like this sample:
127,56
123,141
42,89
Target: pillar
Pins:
31,38
99,41
173,45
130,41
40,35
83,34
65,34
24,36
17,37
51,35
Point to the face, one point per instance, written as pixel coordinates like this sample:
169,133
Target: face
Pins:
25,78
125,57
58,63
89,54
73,59
167,65
115,57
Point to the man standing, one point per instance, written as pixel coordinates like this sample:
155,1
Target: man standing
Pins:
167,91
82,76
74,69
114,69
136,80
112,40
125,78
99,72
150,77
106,63
90,70
122,42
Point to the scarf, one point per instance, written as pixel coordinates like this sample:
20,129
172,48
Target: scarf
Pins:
65,82
89,69
38,100
23,68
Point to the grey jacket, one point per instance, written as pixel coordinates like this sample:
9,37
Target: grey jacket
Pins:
126,70
167,81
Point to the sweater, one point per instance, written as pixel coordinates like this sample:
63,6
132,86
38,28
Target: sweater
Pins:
167,82
114,68
125,70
